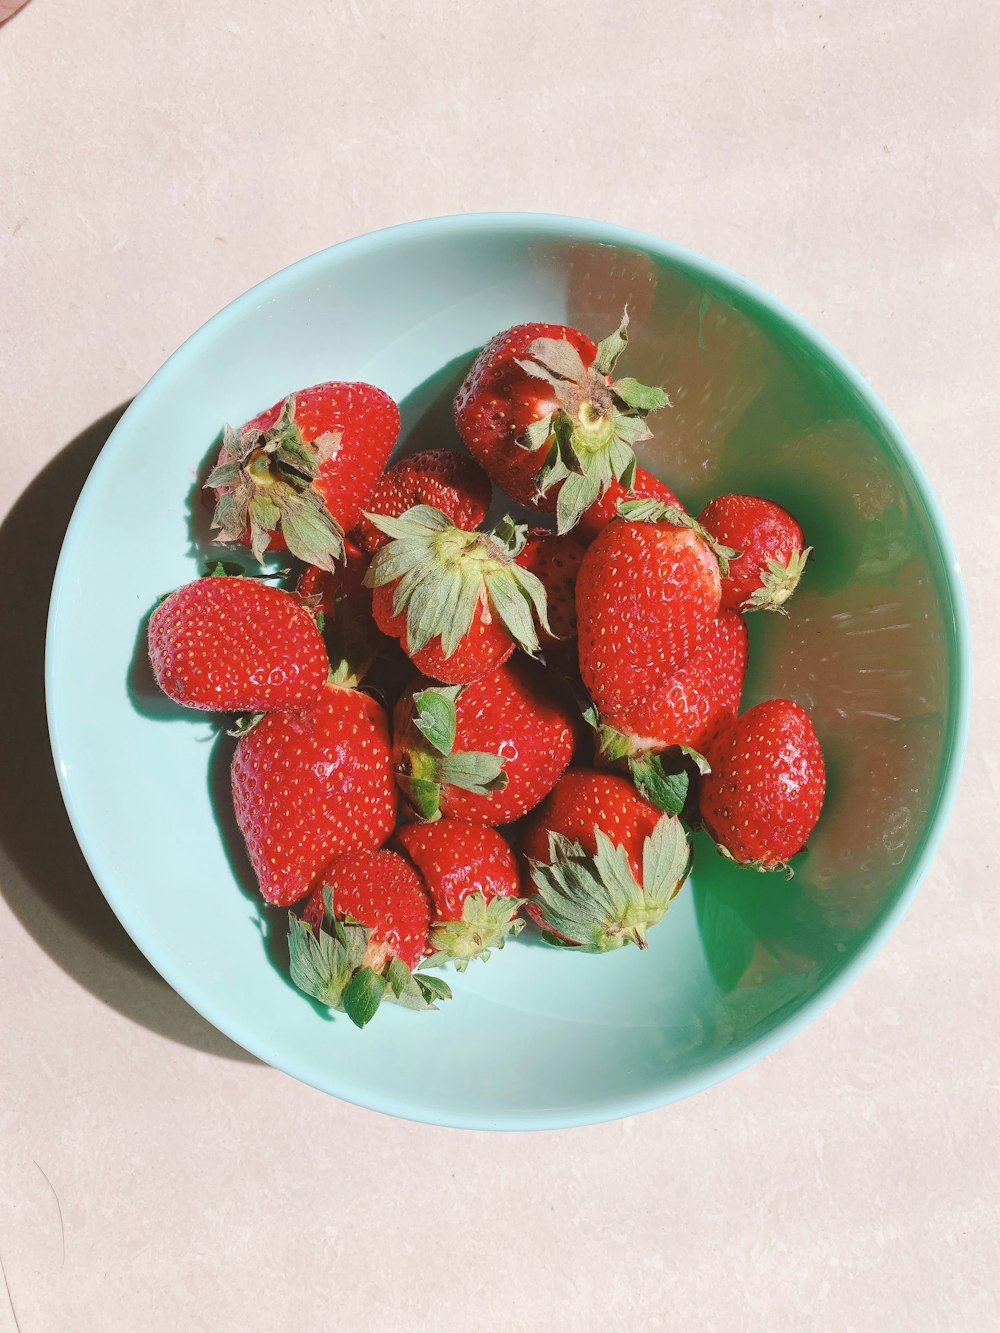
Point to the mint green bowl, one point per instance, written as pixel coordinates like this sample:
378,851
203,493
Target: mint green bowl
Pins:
876,645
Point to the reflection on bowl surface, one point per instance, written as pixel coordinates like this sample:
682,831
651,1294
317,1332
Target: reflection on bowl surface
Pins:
874,646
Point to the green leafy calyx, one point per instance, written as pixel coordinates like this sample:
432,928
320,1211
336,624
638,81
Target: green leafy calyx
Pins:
778,580
265,479
657,511
483,926
334,964
590,437
442,575
594,902
430,760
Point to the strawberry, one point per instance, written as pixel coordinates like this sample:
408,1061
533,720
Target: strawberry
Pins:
457,601
299,475
555,561
644,487
772,551
473,879
310,785
647,592
487,753
362,932
540,411
765,791
604,862
236,645
452,483
686,710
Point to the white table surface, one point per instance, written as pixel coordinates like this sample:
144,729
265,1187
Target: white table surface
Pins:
155,160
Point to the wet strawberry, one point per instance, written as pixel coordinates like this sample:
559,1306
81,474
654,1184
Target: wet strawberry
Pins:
644,487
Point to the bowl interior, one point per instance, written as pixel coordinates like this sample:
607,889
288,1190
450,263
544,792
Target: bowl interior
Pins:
872,646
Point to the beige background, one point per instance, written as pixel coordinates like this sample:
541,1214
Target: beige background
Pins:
158,158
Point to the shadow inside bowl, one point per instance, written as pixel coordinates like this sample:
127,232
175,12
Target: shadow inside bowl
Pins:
43,876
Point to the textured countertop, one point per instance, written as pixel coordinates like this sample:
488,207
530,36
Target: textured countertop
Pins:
157,159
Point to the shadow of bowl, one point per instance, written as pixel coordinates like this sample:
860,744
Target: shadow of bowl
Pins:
43,876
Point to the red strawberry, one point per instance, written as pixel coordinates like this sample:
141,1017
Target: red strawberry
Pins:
646,595
382,891
299,475
604,862
311,785
236,645
361,933
540,411
474,882
457,601
772,551
644,487
688,707
765,791
452,483
487,753
555,561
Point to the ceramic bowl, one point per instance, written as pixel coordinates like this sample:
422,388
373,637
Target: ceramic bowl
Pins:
875,646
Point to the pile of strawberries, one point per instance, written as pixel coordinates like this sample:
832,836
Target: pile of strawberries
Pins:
579,684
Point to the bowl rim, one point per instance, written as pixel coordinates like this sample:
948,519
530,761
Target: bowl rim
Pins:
613,1105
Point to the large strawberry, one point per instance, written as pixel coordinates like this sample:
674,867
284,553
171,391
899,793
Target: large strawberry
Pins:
457,601
473,879
309,785
647,592
685,711
487,753
555,560
540,410
772,551
447,481
299,474
604,862
765,791
236,645
644,487
362,932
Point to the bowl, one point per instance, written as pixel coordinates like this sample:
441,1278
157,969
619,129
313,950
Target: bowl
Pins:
876,646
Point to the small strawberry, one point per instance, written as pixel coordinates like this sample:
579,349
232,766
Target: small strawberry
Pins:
452,483
473,879
457,601
236,645
299,475
487,753
644,487
772,551
604,862
647,592
686,710
555,561
765,791
540,411
362,933
310,785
